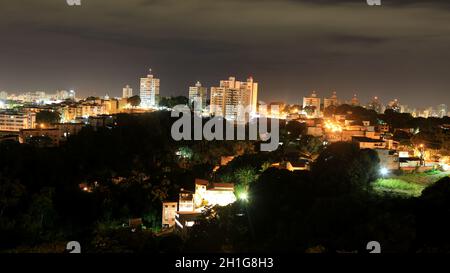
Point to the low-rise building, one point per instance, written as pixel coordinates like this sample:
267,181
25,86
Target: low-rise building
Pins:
40,136
11,121
191,204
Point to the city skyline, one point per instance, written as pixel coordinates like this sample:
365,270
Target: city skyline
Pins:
397,51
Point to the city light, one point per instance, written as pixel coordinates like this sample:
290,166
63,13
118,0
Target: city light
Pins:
333,127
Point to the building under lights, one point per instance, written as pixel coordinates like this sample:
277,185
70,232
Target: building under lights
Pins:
375,105
127,92
149,91
331,101
354,101
198,96
184,212
312,101
234,100
15,121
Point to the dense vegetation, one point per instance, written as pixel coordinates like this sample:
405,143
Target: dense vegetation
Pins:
130,168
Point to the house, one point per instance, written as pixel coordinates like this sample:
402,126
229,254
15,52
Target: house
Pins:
169,208
389,159
191,204
371,143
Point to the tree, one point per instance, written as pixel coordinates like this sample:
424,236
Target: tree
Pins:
309,110
433,217
342,168
134,101
310,146
47,117
170,102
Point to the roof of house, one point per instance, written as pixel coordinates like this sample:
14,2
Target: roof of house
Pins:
199,181
223,185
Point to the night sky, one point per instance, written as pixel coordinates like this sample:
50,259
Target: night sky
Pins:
399,50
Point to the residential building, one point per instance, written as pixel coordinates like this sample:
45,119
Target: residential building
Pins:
3,95
311,105
234,100
375,105
127,92
442,110
394,105
354,101
170,209
331,101
191,204
389,159
41,136
15,121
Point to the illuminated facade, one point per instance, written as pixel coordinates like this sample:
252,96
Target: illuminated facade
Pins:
313,104
232,97
354,101
168,213
14,121
331,101
127,92
149,91
198,97
375,105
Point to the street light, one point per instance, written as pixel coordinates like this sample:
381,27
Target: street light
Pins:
243,196
384,171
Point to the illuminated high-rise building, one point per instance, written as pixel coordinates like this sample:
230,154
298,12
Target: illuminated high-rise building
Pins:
149,91
15,121
198,96
354,101
375,105
72,94
232,97
127,92
331,101
3,95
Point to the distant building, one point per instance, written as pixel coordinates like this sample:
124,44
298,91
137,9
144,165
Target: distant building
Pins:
375,105
234,100
442,110
198,96
149,91
394,105
331,101
62,95
41,136
354,101
127,92
365,142
312,102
